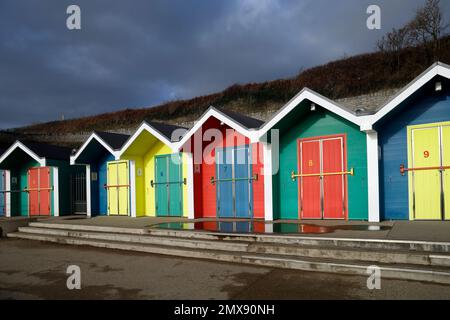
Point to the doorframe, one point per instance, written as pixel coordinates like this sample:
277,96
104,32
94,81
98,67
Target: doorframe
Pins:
116,163
345,168
53,194
410,161
180,168
250,171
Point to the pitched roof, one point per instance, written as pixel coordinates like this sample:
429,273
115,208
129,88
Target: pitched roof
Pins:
437,69
243,124
245,121
166,129
316,98
114,140
49,151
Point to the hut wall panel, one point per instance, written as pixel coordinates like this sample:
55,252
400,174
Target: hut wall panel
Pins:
392,134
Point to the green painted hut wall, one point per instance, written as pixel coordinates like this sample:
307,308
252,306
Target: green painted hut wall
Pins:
64,172
311,124
19,200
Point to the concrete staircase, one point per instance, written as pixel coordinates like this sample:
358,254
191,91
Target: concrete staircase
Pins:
420,261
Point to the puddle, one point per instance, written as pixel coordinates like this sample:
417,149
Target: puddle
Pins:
259,227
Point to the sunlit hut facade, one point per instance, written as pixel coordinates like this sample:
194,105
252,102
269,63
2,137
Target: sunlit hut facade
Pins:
322,162
98,156
38,179
159,172
414,142
228,167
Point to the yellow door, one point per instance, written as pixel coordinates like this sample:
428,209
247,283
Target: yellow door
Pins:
446,173
122,173
426,183
118,188
112,182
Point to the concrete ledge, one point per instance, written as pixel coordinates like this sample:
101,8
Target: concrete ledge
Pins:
8,225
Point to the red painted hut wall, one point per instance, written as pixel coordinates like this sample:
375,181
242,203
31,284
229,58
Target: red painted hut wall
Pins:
204,191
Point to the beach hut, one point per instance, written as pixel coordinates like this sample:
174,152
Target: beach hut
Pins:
414,141
38,179
159,175
228,168
321,169
98,155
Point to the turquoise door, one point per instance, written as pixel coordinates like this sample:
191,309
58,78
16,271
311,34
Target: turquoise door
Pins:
161,187
175,186
169,185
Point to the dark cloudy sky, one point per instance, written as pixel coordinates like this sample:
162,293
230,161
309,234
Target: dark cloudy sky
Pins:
141,53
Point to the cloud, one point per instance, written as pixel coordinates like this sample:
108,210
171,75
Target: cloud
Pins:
141,53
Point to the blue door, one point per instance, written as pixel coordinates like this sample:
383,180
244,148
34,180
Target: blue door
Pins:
242,182
102,182
2,194
233,182
224,183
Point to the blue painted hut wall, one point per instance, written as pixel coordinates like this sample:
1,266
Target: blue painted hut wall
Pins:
2,195
102,179
425,106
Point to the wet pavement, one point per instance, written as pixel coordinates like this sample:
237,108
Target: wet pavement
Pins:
259,227
436,231
34,270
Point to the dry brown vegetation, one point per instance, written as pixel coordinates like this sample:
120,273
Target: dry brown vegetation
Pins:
343,78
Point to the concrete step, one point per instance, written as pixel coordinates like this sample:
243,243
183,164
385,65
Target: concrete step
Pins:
369,244
392,257
400,271
140,238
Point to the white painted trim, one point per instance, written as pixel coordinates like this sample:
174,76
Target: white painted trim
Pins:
190,184
373,188
8,194
213,112
144,127
132,173
436,69
95,136
55,191
268,228
318,99
268,197
88,191
20,145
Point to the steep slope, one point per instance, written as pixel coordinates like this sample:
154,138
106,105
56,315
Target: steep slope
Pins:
354,76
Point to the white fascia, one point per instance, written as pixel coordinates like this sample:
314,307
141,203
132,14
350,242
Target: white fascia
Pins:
93,136
436,69
253,135
144,127
20,145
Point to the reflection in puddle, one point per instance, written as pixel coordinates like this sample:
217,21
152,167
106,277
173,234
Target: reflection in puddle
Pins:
260,227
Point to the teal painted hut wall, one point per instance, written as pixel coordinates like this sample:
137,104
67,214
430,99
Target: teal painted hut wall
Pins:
64,172
19,181
307,124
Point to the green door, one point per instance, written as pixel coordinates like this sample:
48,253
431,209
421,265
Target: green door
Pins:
161,186
169,185
175,185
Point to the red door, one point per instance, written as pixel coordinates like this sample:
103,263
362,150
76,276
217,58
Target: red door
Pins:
39,191
333,185
33,193
322,191
310,193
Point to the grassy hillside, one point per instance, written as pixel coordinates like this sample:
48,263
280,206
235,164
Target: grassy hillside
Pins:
353,76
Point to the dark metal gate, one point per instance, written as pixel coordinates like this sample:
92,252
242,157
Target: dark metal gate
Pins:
78,193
